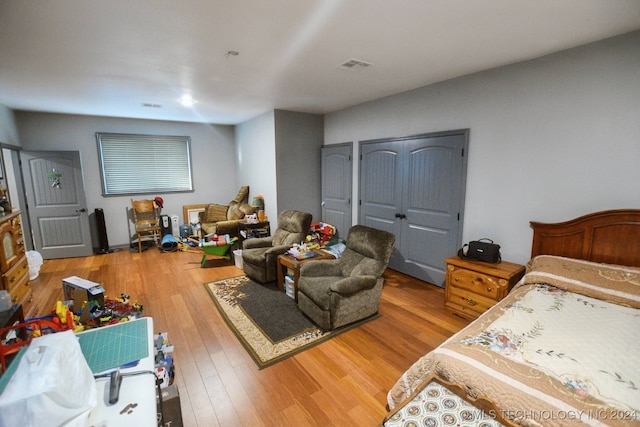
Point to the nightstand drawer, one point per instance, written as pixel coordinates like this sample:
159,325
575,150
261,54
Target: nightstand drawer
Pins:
19,290
465,301
475,282
15,273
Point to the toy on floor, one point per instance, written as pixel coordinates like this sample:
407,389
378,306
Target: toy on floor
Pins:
163,351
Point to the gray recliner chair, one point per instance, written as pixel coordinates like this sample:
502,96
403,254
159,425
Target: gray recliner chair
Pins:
260,255
337,292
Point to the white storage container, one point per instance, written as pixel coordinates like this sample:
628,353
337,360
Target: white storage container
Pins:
34,259
5,301
237,258
288,286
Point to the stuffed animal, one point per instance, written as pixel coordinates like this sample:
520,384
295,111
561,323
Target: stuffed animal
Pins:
252,218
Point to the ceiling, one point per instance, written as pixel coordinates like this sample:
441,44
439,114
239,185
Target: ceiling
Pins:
137,58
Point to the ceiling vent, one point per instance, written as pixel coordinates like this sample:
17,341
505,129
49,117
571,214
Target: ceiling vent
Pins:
150,105
354,64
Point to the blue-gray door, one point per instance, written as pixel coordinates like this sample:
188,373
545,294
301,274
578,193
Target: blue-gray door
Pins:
56,203
414,187
337,169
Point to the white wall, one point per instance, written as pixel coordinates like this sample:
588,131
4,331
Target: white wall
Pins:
256,160
551,138
212,156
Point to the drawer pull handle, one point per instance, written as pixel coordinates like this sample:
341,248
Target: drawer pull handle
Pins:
471,302
488,289
14,299
12,279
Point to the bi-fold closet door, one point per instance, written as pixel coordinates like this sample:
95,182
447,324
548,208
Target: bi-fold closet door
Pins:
414,187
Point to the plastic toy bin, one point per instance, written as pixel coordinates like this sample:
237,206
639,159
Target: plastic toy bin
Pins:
237,258
216,250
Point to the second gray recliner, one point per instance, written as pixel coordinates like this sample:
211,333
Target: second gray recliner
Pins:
336,292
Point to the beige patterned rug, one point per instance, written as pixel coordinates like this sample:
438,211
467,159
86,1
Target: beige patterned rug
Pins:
266,321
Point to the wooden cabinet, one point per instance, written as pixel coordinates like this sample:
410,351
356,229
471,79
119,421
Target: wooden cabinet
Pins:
13,262
473,287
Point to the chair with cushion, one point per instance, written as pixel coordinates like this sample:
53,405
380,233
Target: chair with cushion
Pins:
147,221
337,292
224,219
260,255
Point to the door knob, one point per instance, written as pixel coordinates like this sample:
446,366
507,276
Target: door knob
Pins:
401,216
81,210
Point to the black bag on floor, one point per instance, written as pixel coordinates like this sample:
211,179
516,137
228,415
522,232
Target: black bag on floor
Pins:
481,250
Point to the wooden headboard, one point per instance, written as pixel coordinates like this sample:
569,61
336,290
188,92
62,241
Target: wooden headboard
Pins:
611,237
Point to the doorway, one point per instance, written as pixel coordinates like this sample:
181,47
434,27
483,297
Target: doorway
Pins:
12,175
56,203
337,170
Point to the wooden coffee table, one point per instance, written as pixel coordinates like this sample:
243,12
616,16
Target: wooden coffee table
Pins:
287,262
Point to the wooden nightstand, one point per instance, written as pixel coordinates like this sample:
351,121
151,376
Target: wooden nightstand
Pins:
473,287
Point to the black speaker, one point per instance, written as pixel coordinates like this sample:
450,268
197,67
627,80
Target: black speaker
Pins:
102,233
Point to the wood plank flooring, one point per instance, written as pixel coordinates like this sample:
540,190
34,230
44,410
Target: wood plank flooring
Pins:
340,382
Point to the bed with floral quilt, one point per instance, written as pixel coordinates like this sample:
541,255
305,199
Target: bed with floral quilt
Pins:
562,348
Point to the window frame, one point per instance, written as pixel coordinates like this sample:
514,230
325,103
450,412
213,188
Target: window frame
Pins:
117,143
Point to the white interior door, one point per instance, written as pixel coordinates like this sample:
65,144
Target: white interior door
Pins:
56,203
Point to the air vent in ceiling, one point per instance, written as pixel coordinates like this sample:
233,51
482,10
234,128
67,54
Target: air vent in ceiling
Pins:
150,105
354,64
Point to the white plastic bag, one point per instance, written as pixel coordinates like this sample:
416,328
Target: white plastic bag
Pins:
52,385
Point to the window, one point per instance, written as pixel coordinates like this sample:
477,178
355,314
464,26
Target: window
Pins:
144,164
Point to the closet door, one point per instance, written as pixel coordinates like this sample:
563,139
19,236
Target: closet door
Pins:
431,203
381,188
426,176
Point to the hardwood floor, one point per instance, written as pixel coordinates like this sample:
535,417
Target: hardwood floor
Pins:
340,382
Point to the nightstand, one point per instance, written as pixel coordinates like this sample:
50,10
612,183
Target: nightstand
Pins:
472,287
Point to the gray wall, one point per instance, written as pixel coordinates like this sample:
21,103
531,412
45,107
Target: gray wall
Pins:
299,138
279,158
212,155
551,138
8,128
256,167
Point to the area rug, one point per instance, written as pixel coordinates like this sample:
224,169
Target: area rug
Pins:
267,322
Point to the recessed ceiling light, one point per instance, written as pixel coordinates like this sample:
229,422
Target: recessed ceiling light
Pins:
187,101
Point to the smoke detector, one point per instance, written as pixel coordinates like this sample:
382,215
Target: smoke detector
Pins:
354,64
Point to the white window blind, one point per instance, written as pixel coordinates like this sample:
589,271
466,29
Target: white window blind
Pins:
144,164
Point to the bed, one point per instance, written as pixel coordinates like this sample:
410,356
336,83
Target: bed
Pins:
562,348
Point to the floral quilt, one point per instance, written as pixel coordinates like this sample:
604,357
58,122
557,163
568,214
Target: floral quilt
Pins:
561,349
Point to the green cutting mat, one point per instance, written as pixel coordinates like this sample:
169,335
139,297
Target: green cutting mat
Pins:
112,346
